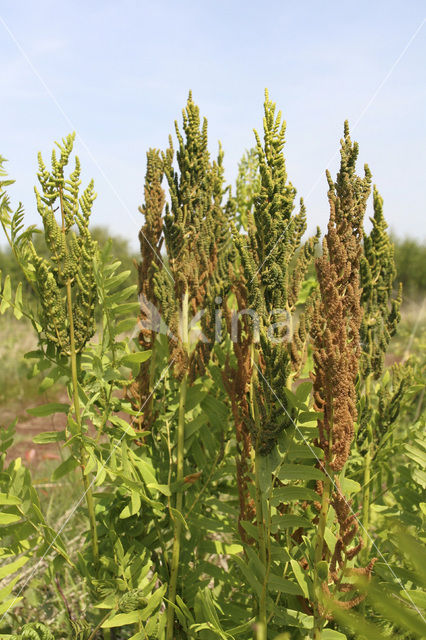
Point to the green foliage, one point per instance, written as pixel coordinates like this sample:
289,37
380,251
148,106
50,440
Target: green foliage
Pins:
35,631
25,532
11,267
247,187
381,311
196,235
410,261
12,224
194,221
266,252
197,467
274,234
69,267
394,610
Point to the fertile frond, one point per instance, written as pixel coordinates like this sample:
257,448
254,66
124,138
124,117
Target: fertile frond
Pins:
381,308
247,188
70,264
273,267
151,271
337,315
196,228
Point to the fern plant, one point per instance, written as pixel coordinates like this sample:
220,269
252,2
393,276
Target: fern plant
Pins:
221,485
197,243
247,187
94,372
65,282
151,240
270,286
379,322
336,321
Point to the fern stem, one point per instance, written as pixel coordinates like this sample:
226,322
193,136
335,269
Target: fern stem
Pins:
174,569
262,547
366,499
98,626
262,622
261,631
74,377
319,547
319,544
367,475
259,512
87,488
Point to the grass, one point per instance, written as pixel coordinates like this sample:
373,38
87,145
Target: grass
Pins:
411,336
16,339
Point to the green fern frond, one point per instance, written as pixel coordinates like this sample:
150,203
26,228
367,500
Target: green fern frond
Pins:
36,631
70,263
381,307
273,266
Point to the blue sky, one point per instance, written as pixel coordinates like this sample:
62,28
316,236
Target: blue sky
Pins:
119,74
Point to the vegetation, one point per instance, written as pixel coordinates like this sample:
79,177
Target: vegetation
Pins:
238,456
410,261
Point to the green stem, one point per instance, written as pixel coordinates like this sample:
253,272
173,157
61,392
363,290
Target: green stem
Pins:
263,609
87,488
74,376
319,548
288,544
259,513
366,492
366,499
174,569
260,520
262,622
98,626
261,631
322,522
